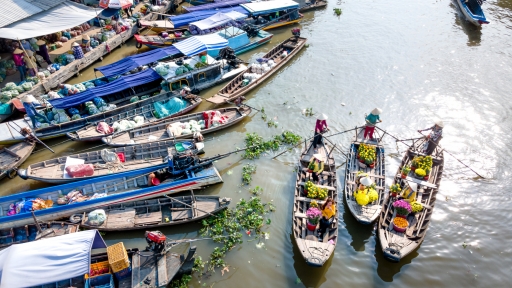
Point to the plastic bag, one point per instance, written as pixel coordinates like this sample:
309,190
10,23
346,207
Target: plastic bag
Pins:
161,70
61,118
160,110
104,128
49,115
9,86
76,117
88,85
96,217
134,99
80,87
98,82
99,102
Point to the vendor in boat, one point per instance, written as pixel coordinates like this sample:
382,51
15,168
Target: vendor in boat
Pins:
316,166
328,213
409,193
435,135
320,128
34,116
371,121
185,91
158,177
198,137
365,182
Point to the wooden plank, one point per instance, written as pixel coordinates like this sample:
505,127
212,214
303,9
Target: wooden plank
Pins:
162,270
306,199
321,186
148,218
418,181
120,218
177,215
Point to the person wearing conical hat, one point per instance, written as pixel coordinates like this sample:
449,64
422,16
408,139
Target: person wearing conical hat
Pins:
320,128
409,193
316,166
371,121
435,135
30,60
17,57
43,51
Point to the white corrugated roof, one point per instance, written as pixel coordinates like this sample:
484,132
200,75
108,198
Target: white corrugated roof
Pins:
15,10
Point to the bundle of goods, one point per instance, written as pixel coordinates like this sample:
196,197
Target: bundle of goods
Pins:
103,128
124,125
54,68
28,205
73,196
91,108
213,118
173,106
80,170
67,90
188,128
96,218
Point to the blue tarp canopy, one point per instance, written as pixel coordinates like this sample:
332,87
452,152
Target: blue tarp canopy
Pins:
267,7
109,12
221,4
197,44
185,19
131,62
117,85
48,260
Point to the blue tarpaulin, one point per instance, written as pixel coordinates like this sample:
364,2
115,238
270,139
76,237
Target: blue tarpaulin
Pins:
197,44
117,85
215,5
131,62
185,19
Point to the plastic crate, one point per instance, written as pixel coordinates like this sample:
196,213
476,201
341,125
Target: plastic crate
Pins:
117,257
125,273
102,281
99,265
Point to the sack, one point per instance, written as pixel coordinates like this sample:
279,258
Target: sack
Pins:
96,217
134,99
5,108
99,102
104,128
80,170
160,110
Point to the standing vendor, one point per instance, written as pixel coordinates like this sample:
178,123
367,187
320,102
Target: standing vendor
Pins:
17,57
34,116
371,121
320,127
31,63
43,51
432,140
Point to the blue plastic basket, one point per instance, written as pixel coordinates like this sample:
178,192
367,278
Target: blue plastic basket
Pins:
125,273
102,281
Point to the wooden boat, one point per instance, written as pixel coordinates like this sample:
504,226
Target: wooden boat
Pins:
240,41
159,212
236,88
354,169
472,10
156,41
286,11
316,252
28,233
90,133
395,245
136,157
13,156
317,5
119,188
157,132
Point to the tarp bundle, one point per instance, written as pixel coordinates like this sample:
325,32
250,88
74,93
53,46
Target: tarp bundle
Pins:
131,62
48,260
217,20
266,7
185,19
215,5
197,44
61,17
117,85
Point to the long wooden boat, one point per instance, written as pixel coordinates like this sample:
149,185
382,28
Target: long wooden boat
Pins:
13,156
236,88
315,251
89,133
473,12
137,157
119,188
159,212
157,132
317,5
156,41
395,245
28,233
354,169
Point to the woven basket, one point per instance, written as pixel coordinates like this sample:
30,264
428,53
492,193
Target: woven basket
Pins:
117,257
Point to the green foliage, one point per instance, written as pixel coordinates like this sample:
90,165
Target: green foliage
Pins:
308,112
247,170
272,123
258,145
256,191
181,283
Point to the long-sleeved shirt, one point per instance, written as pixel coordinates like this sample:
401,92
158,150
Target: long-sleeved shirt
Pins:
372,119
317,167
434,133
18,59
328,213
321,125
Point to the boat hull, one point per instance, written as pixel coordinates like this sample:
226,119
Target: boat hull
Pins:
476,19
22,151
318,5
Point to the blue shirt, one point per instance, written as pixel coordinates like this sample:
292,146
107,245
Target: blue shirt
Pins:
29,109
372,118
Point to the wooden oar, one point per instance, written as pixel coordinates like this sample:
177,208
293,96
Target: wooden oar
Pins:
31,134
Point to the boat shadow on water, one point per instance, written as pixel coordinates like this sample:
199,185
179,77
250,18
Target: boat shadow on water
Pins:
387,269
360,233
473,32
308,275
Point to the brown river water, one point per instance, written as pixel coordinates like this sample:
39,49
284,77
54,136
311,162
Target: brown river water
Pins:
416,60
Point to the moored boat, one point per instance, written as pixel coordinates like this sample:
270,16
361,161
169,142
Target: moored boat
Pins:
374,169
13,156
158,131
398,243
472,10
29,233
285,11
135,158
315,251
312,6
239,85
156,213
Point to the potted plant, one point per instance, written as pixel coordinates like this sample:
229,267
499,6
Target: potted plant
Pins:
400,224
321,193
402,208
314,204
308,186
395,189
405,171
416,207
313,192
313,215
420,173
372,194
366,155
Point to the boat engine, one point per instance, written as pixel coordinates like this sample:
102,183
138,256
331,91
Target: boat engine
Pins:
229,55
251,30
156,241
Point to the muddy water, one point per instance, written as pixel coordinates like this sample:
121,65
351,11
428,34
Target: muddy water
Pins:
418,61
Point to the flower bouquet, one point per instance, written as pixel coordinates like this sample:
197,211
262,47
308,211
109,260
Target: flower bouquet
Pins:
367,154
313,215
405,171
400,224
402,208
416,207
394,189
